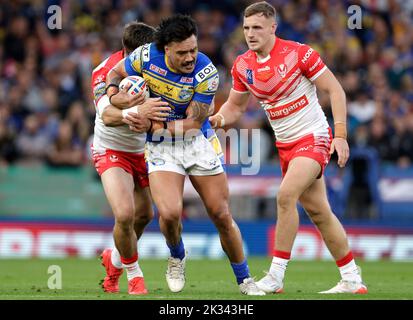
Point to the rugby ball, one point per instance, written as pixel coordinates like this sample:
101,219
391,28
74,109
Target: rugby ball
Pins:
137,83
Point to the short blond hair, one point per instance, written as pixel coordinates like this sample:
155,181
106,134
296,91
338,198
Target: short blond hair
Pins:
263,7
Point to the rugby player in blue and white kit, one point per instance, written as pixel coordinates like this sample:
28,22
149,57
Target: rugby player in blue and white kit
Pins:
185,144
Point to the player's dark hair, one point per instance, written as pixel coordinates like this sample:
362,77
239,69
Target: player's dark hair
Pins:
263,7
136,34
175,29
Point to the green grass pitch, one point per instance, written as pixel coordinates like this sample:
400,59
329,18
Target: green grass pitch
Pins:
206,279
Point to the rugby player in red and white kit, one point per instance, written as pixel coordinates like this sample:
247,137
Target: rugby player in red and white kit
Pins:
118,154
284,76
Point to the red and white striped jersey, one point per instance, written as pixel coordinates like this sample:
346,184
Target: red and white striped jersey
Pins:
118,138
283,83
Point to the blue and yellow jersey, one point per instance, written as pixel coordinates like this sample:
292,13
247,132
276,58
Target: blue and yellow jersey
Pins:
177,89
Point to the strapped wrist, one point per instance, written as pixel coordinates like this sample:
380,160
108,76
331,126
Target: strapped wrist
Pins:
222,123
126,111
340,130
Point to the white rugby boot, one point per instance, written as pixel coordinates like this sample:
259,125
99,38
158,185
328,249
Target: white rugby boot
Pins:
346,286
270,284
175,274
250,288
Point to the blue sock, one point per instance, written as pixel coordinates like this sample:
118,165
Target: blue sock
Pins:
177,251
241,271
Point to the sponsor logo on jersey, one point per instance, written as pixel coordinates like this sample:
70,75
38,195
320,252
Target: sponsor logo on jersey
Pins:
135,55
113,158
187,79
248,75
213,163
302,149
285,50
99,90
265,73
158,162
266,68
99,78
185,93
315,64
205,72
146,52
282,70
158,70
213,84
307,55
287,109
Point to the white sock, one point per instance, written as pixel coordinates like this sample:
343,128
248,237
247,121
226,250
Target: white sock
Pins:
349,272
133,270
278,267
115,258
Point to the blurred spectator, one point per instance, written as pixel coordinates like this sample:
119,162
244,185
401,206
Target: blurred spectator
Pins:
33,142
8,150
406,143
362,110
79,122
380,139
64,151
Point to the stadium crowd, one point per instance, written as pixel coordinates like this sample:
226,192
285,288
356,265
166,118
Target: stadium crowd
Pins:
46,108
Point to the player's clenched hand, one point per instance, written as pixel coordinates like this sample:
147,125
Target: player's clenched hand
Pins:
340,145
123,100
154,109
217,121
137,122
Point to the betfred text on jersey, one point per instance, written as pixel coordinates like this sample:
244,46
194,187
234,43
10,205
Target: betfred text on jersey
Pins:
287,109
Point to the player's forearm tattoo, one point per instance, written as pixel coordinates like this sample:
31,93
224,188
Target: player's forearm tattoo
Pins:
198,111
116,79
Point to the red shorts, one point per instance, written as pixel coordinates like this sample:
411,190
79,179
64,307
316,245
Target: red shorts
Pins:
317,148
132,163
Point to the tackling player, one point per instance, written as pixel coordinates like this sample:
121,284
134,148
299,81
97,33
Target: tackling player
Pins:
119,160
284,76
187,80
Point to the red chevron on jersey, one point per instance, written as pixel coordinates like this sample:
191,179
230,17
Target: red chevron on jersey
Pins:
283,83
275,78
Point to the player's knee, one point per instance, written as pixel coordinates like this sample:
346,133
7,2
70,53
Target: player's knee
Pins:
144,213
315,212
144,218
124,213
170,216
220,214
125,221
285,200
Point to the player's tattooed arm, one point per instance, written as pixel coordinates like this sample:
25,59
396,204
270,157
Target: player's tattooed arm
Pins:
114,77
197,113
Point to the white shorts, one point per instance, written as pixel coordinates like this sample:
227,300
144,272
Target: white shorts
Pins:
196,157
